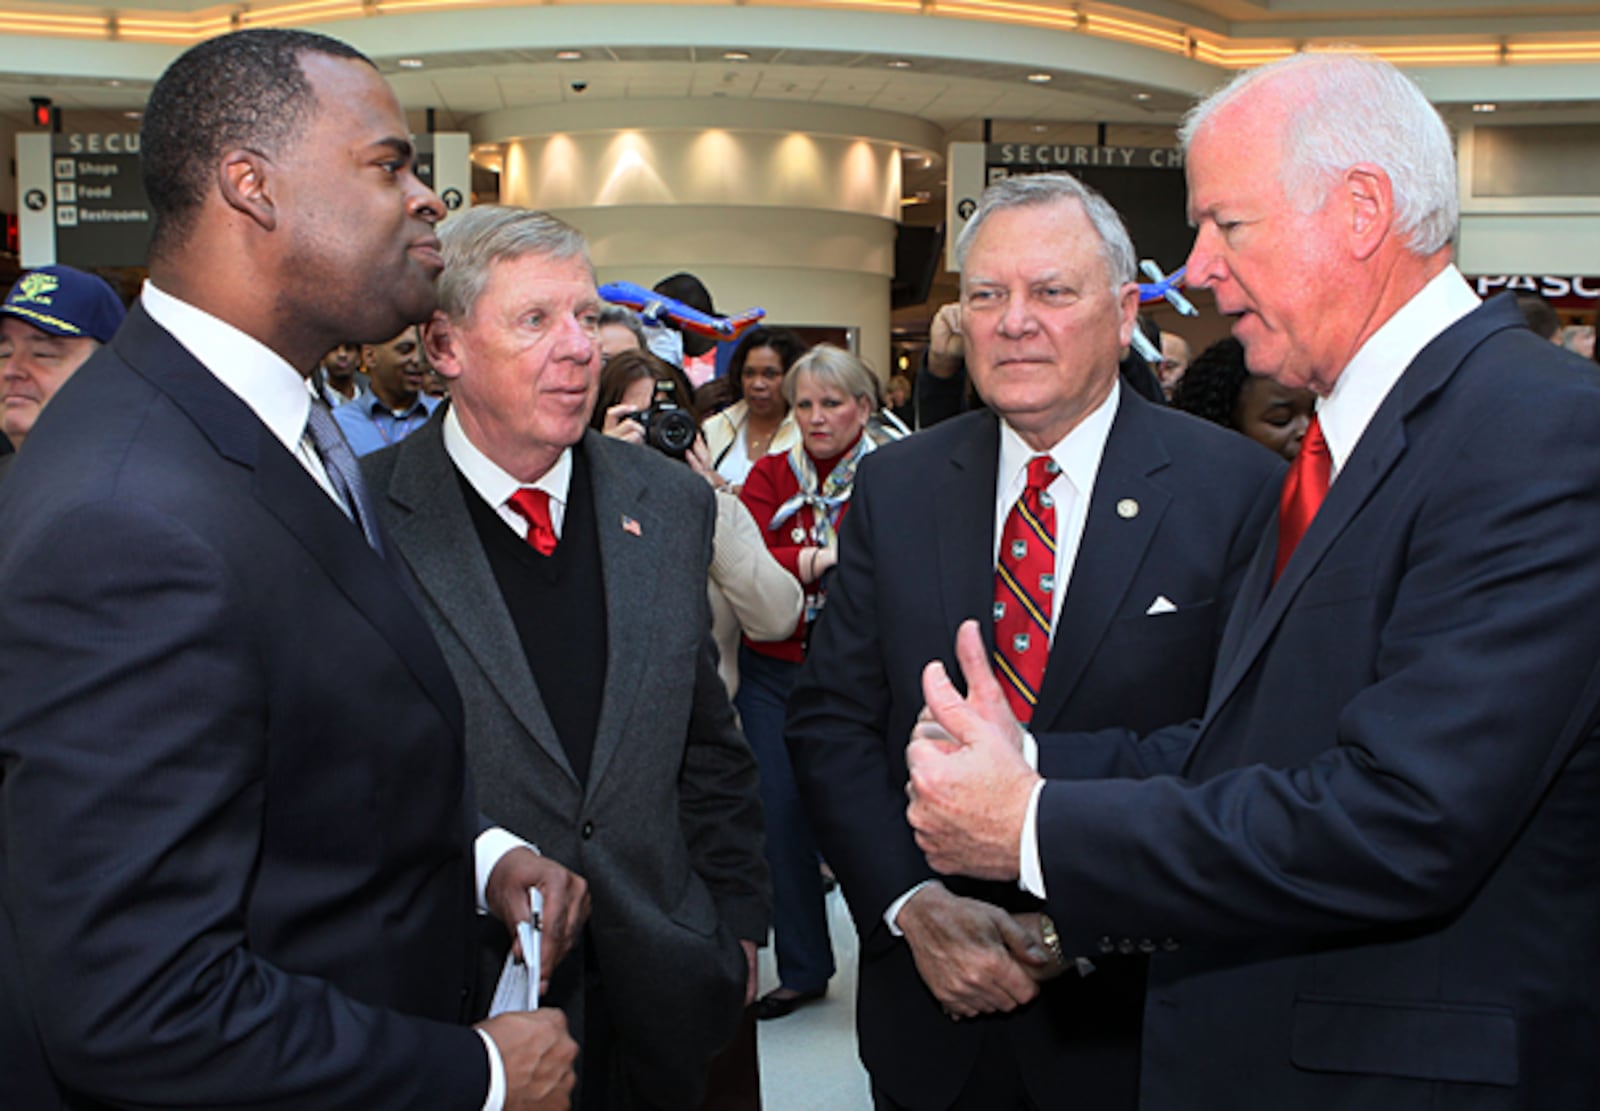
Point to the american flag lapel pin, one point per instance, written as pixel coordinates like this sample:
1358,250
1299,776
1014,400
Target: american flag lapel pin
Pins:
630,526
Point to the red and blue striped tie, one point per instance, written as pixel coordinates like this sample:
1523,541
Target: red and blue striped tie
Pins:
1024,583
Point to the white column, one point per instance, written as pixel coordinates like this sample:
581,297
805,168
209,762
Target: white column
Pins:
788,206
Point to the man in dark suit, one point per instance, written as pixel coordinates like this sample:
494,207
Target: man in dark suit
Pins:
227,877
564,574
1156,515
1369,870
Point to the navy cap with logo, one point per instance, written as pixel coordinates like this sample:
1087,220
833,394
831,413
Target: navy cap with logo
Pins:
65,302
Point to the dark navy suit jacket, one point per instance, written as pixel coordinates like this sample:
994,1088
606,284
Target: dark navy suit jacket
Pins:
1375,884
235,855
1177,508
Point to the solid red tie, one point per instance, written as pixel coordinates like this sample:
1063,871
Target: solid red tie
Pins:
1024,582
1303,490
533,506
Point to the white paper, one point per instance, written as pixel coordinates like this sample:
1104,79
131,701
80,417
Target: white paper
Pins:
518,990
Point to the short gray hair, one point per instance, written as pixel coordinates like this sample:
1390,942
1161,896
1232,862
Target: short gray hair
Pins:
1346,108
621,314
476,239
1032,190
836,367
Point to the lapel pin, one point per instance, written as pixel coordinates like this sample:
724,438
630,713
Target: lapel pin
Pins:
630,526
1127,509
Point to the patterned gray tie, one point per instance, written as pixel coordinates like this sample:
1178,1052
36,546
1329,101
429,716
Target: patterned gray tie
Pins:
340,463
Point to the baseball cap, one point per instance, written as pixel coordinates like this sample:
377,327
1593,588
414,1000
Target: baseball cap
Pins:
65,302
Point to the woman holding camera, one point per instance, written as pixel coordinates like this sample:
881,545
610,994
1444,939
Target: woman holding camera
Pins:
758,422
799,498
750,591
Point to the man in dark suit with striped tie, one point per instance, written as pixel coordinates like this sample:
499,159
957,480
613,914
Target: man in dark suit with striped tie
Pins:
1099,539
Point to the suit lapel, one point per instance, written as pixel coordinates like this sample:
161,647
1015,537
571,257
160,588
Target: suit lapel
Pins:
282,486
434,533
963,501
1380,448
1125,509
629,567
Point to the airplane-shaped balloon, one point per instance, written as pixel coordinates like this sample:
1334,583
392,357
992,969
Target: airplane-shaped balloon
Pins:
655,307
1157,288
1164,287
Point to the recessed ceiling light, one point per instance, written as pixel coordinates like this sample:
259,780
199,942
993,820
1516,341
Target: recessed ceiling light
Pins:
113,84
410,63
1485,107
1141,97
569,55
1039,78
131,115
899,63
736,55
1040,129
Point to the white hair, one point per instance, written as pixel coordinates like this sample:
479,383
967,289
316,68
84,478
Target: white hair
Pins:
1031,190
1347,108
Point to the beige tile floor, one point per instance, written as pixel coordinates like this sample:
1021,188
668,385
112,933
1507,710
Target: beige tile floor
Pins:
808,1059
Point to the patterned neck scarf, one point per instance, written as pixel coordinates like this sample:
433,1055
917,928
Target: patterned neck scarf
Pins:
827,502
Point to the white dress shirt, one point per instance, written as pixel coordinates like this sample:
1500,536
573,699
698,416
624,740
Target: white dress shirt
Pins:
495,486
277,394
1344,415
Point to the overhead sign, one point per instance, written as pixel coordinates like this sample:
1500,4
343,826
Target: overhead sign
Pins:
1564,292
1071,156
83,201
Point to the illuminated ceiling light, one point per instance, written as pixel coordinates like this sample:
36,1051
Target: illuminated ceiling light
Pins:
1030,15
1553,52
1486,107
569,55
1142,33
1141,97
1040,129
1040,78
899,63
410,63
736,55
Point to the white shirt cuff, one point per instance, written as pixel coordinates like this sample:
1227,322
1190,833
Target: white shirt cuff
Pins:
496,1099
893,913
1031,870
491,845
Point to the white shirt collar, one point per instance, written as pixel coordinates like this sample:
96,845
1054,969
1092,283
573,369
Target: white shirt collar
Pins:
492,483
261,378
1363,384
1077,453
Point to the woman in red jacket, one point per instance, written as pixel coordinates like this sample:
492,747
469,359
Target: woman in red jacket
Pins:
799,499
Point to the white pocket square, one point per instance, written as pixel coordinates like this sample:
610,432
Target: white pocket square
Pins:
1162,604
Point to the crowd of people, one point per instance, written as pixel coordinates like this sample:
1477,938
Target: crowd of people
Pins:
331,664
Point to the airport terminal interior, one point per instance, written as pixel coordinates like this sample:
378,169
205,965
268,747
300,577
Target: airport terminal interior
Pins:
817,158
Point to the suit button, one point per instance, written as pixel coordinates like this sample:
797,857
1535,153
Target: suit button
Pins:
1107,945
1146,945
587,831
1125,945
1170,944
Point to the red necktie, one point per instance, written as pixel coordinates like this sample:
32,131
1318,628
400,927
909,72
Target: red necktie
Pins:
1303,490
533,506
1023,584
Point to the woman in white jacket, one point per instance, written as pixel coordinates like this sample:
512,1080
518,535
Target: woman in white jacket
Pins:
758,422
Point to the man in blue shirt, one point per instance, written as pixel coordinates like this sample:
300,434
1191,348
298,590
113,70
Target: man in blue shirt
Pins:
397,406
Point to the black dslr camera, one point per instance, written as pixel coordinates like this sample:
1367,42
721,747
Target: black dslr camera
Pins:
667,428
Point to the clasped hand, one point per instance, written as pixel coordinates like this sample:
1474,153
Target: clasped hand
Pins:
974,957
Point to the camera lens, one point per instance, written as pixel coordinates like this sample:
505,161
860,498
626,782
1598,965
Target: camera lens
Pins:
672,431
